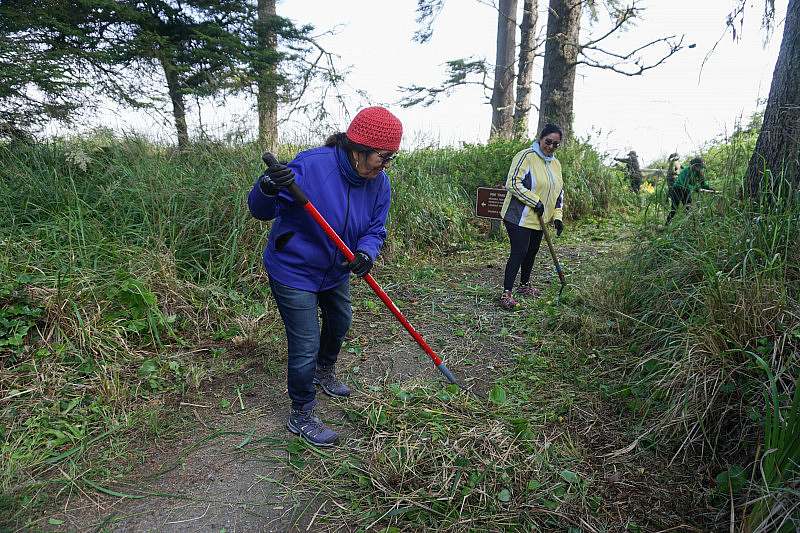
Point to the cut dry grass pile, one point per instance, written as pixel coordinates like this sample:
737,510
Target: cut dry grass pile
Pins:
448,461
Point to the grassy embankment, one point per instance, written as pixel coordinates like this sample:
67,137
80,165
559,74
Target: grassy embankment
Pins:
703,322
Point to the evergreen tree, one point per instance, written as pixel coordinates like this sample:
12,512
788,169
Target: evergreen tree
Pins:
48,50
201,47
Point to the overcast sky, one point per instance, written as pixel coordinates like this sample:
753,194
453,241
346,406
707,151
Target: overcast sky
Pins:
673,107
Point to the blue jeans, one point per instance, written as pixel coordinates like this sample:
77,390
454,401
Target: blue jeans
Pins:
308,346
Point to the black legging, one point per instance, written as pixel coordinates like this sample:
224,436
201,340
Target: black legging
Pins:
524,247
678,196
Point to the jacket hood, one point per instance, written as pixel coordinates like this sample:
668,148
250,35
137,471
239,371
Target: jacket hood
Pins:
538,149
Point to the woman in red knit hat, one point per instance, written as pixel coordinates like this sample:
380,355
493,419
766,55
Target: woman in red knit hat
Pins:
347,183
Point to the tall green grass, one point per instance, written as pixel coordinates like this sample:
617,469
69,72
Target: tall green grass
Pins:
779,464
115,256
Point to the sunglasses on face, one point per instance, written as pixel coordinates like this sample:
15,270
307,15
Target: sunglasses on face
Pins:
386,158
550,142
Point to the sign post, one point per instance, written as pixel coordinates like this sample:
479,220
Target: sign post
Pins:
489,202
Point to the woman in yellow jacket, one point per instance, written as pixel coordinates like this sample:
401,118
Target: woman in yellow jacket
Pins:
535,188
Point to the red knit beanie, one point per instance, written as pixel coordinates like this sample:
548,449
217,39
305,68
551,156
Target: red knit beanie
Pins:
377,128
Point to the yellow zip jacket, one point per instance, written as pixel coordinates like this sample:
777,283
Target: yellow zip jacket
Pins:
531,178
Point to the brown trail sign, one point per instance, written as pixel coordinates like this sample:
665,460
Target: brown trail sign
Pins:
489,202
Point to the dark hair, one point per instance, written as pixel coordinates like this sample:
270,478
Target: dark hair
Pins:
550,128
340,139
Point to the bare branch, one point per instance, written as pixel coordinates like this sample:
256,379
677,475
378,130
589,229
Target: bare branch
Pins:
493,5
322,65
638,67
595,56
633,52
627,14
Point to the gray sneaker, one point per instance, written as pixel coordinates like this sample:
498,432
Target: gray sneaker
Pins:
308,426
325,376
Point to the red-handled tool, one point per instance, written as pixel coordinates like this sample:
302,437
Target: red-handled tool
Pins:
302,199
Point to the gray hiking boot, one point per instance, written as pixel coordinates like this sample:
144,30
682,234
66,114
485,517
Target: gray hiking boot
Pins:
325,376
304,423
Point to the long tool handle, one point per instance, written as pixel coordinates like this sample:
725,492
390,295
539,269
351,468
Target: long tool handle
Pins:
299,196
552,252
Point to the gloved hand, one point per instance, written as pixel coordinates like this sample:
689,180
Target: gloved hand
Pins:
276,178
361,264
539,209
559,227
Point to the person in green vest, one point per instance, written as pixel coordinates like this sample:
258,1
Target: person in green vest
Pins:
690,179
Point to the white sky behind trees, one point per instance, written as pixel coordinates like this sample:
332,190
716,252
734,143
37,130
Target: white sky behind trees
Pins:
674,107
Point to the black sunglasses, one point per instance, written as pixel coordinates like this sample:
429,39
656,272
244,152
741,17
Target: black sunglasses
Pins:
550,142
386,159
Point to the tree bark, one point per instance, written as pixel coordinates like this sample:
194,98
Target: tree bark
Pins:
527,51
560,56
503,93
267,100
776,158
178,105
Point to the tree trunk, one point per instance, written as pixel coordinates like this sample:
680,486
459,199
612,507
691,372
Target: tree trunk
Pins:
503,93
178,105
527,51
560,55
777,154
267,101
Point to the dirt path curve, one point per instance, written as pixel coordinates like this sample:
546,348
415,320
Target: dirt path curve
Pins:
229,472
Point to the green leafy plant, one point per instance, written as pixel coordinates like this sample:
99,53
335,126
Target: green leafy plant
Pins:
138,307
498,395
16,320
733,479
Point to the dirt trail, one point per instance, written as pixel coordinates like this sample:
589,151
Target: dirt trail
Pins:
229,472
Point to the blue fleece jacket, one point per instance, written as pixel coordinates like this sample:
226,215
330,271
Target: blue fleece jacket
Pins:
298,253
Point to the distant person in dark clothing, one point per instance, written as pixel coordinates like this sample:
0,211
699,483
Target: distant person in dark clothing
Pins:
673,168
633,170
690,179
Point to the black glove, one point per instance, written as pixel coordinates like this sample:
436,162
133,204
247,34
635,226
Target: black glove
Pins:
539,209
275,179
559,227
361,264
